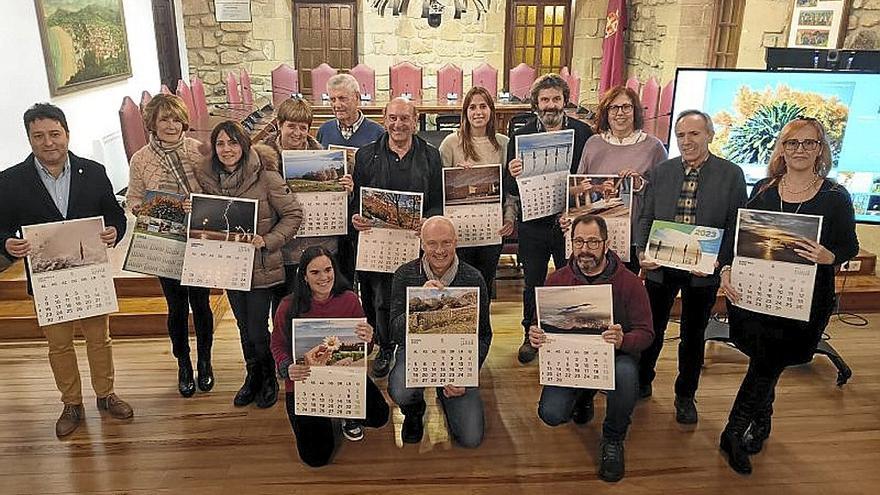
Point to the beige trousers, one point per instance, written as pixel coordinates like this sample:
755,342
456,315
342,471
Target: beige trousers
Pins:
62,357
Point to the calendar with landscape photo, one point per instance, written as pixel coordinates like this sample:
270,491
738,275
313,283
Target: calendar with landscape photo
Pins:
162,215
474,185
221,218
684,246
64,245
387,209
328,342
453,310
583,309
774,236
314,170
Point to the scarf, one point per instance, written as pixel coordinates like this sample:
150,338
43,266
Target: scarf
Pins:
636,137
169,154
447,277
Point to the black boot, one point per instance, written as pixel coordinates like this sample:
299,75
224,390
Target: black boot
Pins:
268,394
413,427
206,374
186,385
251,386
753,439
737,457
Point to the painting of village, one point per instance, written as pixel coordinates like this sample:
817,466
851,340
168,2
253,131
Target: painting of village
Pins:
584,309
453,310
64,245
222,218
774,236
466,186
84,43
397,210
162,215
314,170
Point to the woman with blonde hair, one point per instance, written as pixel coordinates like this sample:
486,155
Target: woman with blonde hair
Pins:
477,143
167,164
796,183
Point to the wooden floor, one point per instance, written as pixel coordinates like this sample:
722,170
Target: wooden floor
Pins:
825,439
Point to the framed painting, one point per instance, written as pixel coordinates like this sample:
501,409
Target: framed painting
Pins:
84,43
818,23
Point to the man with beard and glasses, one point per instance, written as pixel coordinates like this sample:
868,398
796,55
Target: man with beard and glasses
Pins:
541,238
592,263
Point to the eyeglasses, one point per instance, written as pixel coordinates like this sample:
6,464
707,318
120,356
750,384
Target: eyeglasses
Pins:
791,145
591,243
625,108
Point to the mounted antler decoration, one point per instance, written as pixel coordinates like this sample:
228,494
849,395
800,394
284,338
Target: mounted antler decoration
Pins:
431,9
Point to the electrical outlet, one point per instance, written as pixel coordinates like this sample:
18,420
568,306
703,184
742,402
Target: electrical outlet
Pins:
852,266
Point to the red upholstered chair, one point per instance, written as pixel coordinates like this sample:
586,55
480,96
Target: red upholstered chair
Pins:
247,93
633,84
165,91
233,97
406,78
664,113
366,78
185,94
320,75
285,82
574,84
199,101
131,124
145,98
650,101
449,81
486,76
521,78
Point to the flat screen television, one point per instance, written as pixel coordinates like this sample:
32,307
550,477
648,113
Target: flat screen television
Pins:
749,108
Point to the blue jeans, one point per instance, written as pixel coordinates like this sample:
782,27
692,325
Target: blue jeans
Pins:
464,415
557,403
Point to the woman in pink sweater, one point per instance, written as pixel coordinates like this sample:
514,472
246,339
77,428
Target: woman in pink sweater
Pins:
319,292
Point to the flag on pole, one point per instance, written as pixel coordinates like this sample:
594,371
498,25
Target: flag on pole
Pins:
612,46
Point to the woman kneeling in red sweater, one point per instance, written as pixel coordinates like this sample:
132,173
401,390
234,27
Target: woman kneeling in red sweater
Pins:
320,292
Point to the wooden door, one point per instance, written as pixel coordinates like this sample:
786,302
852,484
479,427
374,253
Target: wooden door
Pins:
166,42
324,32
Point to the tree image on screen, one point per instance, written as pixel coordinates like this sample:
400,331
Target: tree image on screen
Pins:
747,135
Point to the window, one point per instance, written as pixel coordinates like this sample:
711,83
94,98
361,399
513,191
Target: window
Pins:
538,33
726,28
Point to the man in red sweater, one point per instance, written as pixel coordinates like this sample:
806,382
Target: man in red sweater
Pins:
593,263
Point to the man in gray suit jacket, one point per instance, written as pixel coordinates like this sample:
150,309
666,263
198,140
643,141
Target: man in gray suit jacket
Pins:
697,188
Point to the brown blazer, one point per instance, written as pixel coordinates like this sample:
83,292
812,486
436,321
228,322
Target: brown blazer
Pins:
278,214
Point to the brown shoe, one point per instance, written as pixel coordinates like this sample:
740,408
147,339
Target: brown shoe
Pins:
70,419
115,406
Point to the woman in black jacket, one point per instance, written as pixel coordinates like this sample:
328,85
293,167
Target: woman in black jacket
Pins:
796,183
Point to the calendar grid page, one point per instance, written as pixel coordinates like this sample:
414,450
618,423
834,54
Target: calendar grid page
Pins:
392,241
608,196
70,271
769,275
313,176
546,159
442,344
684,246
472,201
337,360
158,242
219,253
573,319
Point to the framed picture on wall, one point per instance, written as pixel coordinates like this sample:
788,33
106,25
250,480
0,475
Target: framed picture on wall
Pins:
84,43
818,23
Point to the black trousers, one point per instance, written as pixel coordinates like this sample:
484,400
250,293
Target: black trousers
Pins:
251,310
754,400
485,260
180,298
346,256
538,242
376,287
696,308
316,437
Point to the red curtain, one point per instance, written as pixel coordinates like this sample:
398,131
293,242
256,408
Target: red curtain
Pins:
612,46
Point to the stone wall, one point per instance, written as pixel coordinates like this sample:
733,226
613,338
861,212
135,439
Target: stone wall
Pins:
589,33
466,42
215,49
863,26
666,34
